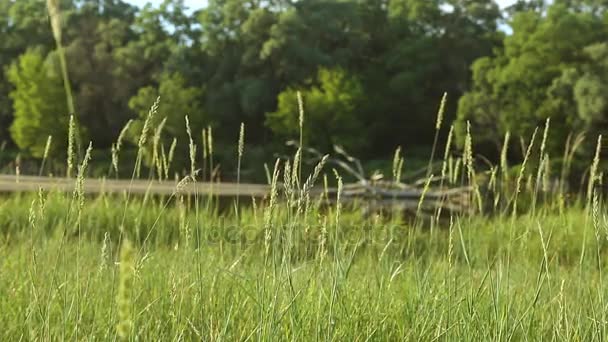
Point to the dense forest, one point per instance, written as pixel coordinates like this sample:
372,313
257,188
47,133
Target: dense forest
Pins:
371,72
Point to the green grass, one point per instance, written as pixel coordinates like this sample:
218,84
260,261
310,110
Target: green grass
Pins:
526,265
372,279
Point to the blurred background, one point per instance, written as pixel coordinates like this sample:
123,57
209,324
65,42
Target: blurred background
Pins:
372,74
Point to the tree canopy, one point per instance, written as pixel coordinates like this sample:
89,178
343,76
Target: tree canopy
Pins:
371,72
552,66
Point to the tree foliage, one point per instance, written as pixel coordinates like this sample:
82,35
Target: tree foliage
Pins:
23,25
177,100
40,109
552,66
330,112
371,71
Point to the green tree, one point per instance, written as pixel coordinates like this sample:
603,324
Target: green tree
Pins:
241,86
591,89
39,104
417,50
94,31
177,100
330,116
257,49
583,90
23,25
536,76
394,58
160,35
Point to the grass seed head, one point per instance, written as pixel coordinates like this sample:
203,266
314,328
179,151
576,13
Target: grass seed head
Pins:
143,137
191,149
441,111
47,147
71,152
55,16
593,175
125,290
241,147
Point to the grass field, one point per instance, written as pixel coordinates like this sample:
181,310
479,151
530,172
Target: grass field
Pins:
525,264
283,273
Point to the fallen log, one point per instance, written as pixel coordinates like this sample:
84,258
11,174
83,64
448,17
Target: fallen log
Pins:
402,197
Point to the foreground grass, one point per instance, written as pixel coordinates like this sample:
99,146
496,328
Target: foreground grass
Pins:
209,274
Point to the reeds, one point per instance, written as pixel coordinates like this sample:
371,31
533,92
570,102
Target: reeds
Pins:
55,16
593,171
71,152
270,210
240,152
143,136
397,165
191,149
115,149
45,155
504,164
438,122
157,156
451,280
522,171
543,162
468,161
124,298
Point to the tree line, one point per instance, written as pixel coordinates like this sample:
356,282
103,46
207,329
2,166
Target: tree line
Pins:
371,72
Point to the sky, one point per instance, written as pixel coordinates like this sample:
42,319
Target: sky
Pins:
194,4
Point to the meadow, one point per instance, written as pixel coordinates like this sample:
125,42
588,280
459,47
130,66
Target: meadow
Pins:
188,275
524,260
524,264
